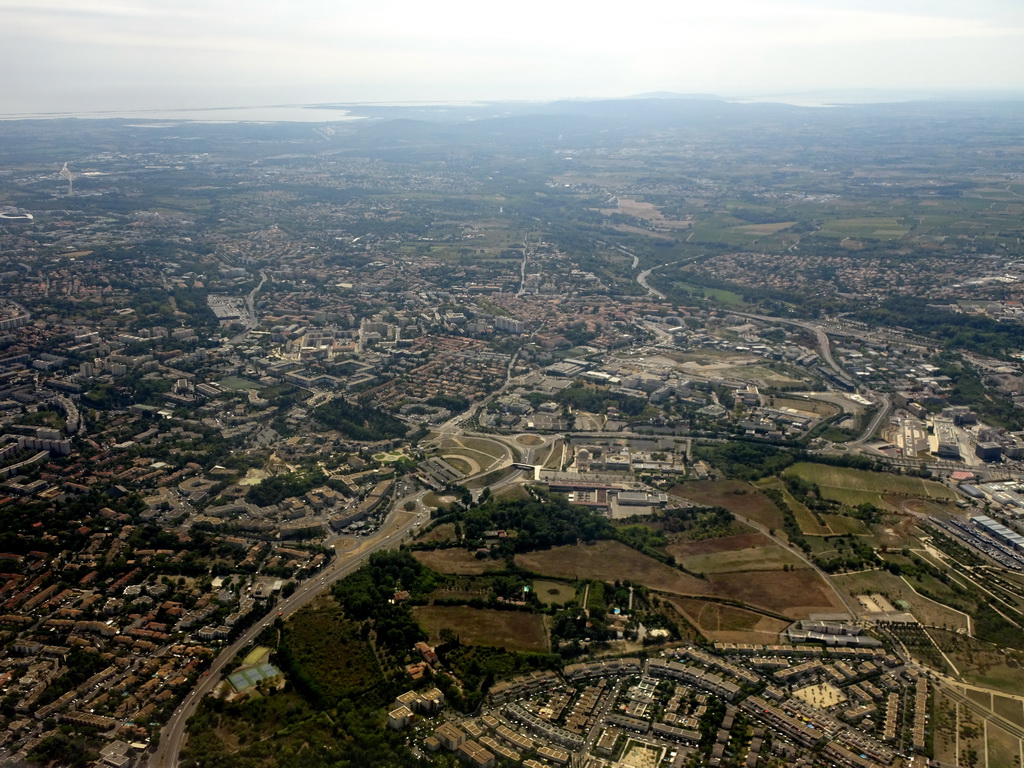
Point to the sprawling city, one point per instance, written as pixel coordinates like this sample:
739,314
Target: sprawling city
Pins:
646,433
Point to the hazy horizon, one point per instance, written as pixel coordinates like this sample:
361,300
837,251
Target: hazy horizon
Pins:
113,55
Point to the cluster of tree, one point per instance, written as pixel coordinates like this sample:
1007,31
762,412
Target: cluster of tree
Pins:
989,624
285,731
284,396
645,539
969,390
953,330
72,750
154,306
454,403
791,527
851,553
280,487
746,460
79,666
699,523
542,521
359,422
595,400
367,595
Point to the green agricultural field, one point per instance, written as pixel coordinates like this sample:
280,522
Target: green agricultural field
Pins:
844,524
883,228
808,523
769,558
511,630
835,481
761,230
854,498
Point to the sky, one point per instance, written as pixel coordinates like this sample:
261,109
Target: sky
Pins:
85,55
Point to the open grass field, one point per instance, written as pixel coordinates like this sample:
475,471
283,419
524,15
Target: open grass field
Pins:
767,558
479,445
1001,747
926,611
740,498
512,493
462,464
796,594
530,440
945,723
791,593
837,479
723,544
553,458
256,655
727,623
610,561
718,295
457,561
554,592
1010,708
438,500
982,664
817,407
237,383
442,532
760,374
511,630
478,454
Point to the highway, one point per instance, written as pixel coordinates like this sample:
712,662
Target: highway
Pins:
251,321
642,279
823,343
883,413
390,535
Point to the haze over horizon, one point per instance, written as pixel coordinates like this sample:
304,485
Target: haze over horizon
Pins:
114,55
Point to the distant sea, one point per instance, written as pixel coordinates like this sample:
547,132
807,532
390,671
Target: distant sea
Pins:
282,114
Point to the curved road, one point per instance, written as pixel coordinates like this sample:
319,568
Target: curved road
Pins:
172,737
642,280
823,343
876,422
